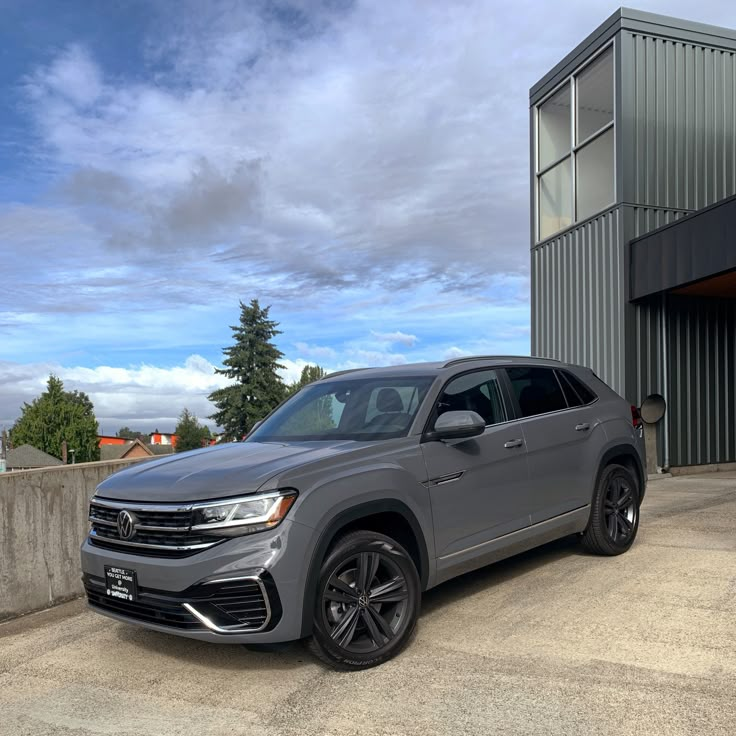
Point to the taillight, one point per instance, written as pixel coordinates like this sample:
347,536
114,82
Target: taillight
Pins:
635,417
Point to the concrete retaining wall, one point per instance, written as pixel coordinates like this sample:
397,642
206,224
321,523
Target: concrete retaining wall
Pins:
43,521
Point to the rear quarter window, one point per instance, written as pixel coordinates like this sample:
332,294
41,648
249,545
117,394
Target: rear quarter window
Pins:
576,392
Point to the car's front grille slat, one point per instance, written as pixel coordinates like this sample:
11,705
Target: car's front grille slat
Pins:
162,531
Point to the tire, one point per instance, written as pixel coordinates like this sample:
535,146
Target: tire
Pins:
614,515
367,602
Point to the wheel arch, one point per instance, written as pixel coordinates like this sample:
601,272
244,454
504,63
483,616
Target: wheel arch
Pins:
374,515
627,456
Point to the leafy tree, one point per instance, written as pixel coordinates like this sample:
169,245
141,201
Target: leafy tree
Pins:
253,363
57,415
130,434
190,434
310,373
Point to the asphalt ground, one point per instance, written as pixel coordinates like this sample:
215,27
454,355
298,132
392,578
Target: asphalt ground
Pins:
555,641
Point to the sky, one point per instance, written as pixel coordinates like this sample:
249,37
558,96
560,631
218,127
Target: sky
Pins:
361,167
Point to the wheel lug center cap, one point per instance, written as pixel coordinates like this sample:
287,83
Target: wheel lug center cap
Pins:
363,601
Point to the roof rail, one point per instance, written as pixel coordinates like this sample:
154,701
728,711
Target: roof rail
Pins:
471,358
341,373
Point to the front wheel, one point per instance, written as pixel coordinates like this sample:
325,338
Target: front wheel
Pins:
367,602
614,514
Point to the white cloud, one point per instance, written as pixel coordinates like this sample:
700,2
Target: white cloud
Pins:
395,337
319,352
144,397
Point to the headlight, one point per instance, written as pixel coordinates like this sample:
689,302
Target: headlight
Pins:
243,515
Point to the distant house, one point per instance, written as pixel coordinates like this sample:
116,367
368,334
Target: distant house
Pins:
163,438
27,457
107,439
133,449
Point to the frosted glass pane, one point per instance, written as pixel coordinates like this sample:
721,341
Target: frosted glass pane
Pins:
554,127
555,199
595,175
595,96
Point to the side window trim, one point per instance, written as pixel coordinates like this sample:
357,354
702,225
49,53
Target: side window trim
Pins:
506,396
565,376
515,402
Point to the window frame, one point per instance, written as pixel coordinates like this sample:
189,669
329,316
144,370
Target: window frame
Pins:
511,395
567,374
519,413
509,403
575,147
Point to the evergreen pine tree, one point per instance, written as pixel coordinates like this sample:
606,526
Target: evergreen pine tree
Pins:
191,435
253,363
57,415
310,373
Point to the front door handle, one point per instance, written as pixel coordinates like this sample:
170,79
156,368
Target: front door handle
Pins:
513,443
582,427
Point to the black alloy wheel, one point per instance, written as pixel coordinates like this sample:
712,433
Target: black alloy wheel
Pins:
614,516
368,602
619,509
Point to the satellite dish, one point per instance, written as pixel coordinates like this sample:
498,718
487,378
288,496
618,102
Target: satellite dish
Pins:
653,408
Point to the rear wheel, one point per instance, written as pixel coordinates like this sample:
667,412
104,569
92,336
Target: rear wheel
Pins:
614,516
367,602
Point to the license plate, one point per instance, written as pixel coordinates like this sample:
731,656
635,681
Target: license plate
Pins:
121,583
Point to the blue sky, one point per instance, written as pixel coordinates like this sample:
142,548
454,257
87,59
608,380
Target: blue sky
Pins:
361,167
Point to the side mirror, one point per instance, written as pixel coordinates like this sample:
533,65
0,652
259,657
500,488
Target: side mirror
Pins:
458,425
653,408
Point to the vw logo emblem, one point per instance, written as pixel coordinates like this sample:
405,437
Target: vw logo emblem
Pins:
126,525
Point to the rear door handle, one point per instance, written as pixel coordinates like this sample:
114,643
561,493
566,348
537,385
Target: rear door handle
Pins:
513,443
582,427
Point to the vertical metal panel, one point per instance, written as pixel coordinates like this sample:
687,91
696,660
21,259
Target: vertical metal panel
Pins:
702,359
578,301
675,153
647,338
680,137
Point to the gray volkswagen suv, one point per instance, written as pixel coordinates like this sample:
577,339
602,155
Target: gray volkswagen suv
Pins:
357,494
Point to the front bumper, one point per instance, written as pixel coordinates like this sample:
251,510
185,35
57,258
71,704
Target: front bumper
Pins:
245,590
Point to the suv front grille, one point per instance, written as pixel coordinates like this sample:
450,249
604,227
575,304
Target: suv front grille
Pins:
240,605
159,530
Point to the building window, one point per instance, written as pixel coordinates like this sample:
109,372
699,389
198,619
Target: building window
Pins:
554,128
574,152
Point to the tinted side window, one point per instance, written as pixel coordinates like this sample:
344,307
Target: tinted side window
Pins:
576,392
479,392
537,390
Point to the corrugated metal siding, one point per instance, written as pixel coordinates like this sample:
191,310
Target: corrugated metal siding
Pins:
702,380
578,298
676,152
680,139
644,321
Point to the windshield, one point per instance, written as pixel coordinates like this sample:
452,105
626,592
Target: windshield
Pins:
368,409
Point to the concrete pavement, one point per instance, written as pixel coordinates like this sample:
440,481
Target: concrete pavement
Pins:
553,642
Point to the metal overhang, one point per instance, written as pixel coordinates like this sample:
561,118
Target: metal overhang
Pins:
699,249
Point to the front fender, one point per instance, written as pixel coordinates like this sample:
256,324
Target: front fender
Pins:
340,496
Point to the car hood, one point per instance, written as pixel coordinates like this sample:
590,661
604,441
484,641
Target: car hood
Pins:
214,472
